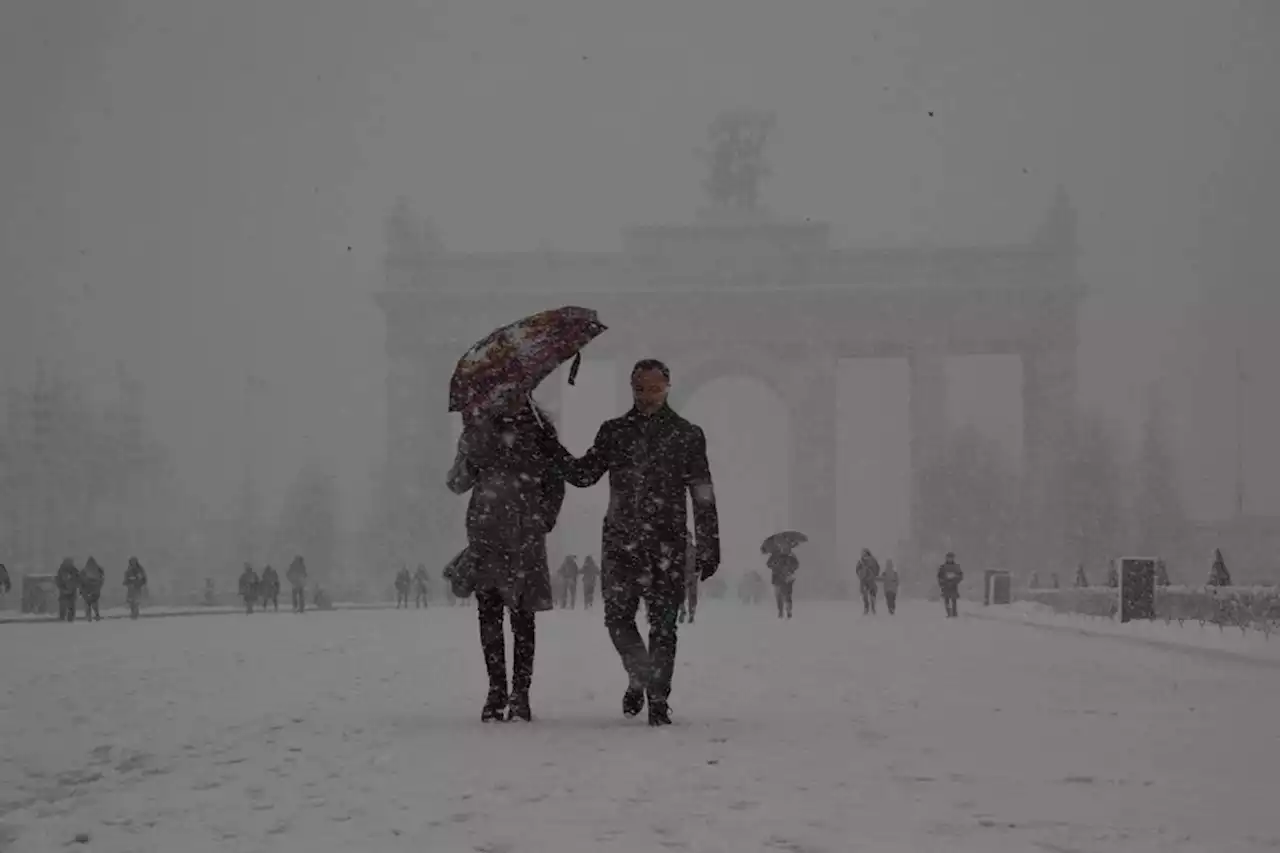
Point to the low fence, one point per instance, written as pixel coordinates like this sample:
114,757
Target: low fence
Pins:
1254,608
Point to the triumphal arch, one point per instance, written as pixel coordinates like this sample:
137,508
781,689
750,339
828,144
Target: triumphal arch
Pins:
739,293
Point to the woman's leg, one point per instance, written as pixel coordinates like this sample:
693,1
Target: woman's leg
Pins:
489,607
524,643
779,597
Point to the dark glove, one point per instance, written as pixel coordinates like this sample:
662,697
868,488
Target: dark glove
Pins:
706,568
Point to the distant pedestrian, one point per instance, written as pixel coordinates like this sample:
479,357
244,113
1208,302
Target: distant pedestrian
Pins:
949,578
889,580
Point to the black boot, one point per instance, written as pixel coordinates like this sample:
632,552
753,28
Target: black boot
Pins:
519,709
633,700
495,706
659,712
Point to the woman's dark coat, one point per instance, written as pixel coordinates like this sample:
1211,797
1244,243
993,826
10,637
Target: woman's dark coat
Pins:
517,489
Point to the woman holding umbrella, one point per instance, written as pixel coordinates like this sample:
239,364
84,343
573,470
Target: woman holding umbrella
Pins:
507,461
508,457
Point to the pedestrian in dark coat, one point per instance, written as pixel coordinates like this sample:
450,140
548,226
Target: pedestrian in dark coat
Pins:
868,572
91,581
5,584
403,581
590,575
421,586
248,587
949,578
783,566
297,577
67,580
135,580
655,460
508,461
568,577
270,583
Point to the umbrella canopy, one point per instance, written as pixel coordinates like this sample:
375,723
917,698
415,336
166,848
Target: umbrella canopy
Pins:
513,360
785,539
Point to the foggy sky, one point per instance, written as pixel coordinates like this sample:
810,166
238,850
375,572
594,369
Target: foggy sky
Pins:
202,185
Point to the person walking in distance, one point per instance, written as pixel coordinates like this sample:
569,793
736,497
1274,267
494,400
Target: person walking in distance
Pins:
889,579
297,577
590,574
783,566
135,581
421,586
949,578
403,581
270,582
508,460
868,572
248,587
568,583
67,581
655,460
91,580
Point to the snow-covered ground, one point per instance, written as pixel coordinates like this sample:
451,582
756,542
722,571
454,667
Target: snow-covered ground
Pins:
359,731
1191,635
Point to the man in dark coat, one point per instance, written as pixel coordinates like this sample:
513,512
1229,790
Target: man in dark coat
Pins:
403,581
297,577
590,574
91,580
270,584
421,586
654,459
868,572
949,578
248,587
568,573
67,580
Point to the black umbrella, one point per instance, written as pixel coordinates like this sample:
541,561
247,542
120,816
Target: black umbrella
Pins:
785,539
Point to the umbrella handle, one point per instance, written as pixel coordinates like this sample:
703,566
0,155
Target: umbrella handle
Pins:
573,367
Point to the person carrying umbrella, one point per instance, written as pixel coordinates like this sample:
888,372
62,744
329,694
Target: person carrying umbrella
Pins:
509,459
783,565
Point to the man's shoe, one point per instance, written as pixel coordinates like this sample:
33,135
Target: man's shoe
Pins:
659,713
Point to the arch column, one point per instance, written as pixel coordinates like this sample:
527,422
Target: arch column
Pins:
420,508
927,415
1048,417
811,397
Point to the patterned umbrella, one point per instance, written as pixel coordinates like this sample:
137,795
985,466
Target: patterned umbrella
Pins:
787,538
514,359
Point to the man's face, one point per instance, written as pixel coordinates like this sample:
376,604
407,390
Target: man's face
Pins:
649,390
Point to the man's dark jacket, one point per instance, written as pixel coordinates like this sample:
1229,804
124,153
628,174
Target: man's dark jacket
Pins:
655,462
